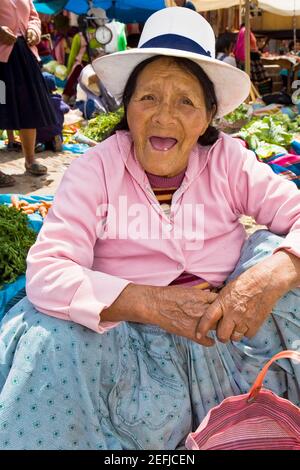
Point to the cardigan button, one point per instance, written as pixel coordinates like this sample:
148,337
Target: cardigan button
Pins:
180,267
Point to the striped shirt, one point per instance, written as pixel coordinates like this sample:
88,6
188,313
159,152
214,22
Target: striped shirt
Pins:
164,188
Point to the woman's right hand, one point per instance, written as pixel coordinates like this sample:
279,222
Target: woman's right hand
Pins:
177,310
7,37
180,309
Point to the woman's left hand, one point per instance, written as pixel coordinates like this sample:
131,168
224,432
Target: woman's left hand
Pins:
243,304
32,37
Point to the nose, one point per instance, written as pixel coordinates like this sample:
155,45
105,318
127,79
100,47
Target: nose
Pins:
164,114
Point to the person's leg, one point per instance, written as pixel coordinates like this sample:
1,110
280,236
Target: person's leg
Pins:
12,144
28,139
64,386
10,136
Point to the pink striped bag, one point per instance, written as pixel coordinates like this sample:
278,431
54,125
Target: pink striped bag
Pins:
257,420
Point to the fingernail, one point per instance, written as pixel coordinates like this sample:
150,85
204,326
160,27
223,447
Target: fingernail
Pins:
198,336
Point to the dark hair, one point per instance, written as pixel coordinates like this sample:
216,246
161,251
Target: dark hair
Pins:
224,42
211,134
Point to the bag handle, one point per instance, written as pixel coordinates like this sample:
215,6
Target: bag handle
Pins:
256,387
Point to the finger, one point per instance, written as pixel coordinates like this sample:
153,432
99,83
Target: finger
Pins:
225,329
204,341
211,297
209,319
207,342
239,333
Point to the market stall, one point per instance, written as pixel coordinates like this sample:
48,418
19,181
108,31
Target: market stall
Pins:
21,218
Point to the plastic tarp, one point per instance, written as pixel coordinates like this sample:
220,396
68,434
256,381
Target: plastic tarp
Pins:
8,291
125,11
49,7
279,7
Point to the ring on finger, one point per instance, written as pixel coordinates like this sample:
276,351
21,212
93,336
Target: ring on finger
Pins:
237,335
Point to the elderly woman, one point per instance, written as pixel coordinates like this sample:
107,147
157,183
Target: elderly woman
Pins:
136,255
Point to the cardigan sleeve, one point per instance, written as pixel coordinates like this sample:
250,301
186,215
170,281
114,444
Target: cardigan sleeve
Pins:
60,278
34,21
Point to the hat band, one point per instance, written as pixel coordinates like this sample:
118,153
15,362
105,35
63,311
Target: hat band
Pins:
174,41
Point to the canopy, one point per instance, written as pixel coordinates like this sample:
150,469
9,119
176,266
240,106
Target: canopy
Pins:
49,7
279,7
125,11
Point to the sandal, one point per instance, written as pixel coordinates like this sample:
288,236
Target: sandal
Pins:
36,169
14,147
6,180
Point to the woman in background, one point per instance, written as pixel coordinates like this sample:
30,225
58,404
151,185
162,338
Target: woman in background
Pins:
27,104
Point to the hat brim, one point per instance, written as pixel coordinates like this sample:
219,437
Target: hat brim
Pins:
232,85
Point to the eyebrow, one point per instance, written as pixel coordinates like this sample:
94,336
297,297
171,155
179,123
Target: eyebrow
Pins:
152,87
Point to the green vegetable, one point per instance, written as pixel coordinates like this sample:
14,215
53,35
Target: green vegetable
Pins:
240,113
265,150
277,129
100,127
15,240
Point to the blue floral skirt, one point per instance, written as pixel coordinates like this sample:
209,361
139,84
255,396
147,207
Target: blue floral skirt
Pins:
63,386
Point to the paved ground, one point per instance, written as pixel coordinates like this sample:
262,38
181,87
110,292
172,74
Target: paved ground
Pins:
12,163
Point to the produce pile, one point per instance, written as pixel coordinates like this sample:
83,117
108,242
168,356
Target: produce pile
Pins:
16,238
101,126
271,135
24,206
239,114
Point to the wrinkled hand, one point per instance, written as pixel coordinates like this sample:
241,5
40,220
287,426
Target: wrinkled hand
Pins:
241,307
7,37
32,37
180,309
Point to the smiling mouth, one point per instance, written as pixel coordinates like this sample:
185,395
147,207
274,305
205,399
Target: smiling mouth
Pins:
162,144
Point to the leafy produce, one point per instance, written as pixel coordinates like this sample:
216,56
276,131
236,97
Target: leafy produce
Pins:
100,127
240,113
277,129
15,240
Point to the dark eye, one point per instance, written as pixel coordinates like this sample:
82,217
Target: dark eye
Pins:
187,101
147,98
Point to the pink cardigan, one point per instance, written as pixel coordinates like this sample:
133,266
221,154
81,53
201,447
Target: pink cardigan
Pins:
75,270
18,15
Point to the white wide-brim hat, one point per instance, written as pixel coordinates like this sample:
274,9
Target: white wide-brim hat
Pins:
177,32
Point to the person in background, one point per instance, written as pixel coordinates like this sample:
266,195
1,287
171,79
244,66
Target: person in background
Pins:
84,48
224,48
240,46
51,136
62,39
257,71
92,97
27,104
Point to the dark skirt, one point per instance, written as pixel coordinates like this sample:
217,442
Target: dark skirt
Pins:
27,101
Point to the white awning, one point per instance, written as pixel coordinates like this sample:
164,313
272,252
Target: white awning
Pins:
279,7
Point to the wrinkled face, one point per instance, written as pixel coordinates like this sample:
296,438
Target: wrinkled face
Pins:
166,115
